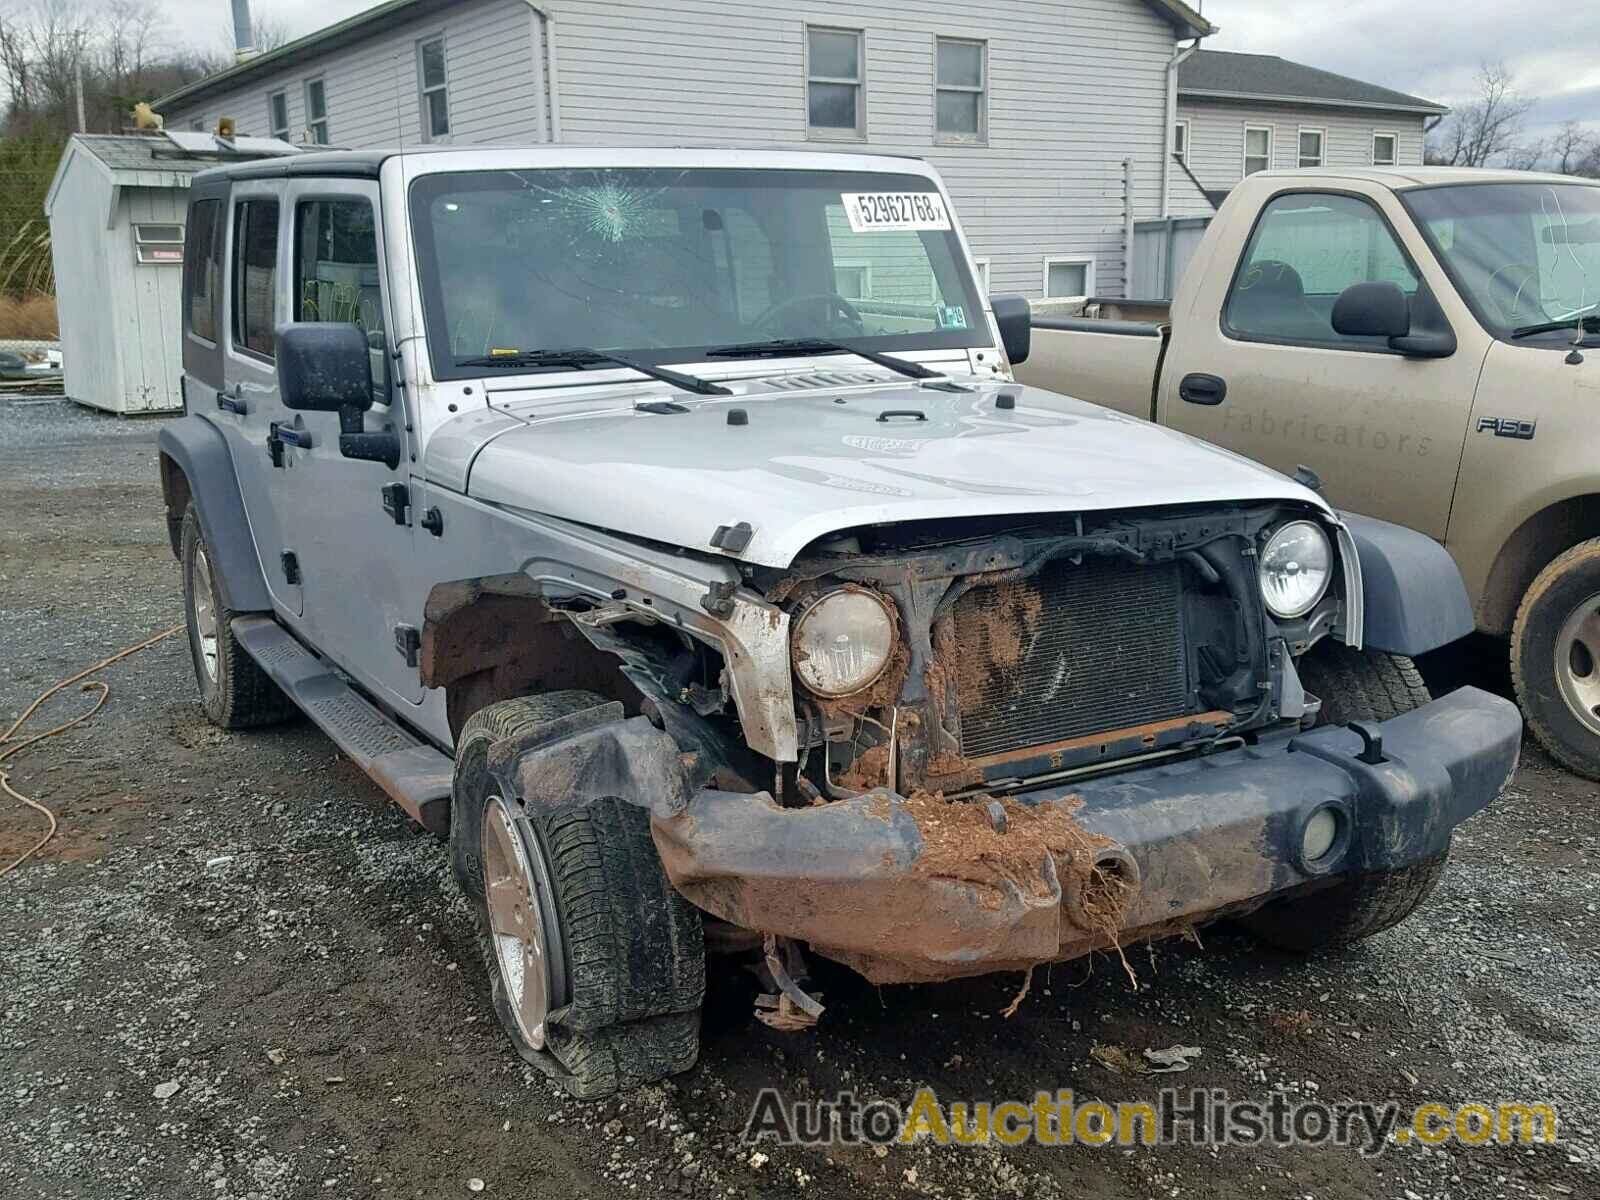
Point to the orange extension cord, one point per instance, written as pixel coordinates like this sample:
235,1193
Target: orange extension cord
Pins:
10,748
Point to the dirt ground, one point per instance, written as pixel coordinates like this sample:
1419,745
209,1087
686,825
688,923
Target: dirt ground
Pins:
238,972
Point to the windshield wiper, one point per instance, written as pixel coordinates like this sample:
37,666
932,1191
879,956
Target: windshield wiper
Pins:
579,357
779,347
1576,324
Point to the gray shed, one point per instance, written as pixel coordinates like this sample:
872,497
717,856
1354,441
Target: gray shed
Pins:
116,208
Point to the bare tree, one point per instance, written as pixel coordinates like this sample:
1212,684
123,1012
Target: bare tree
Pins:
1571,147
1485,129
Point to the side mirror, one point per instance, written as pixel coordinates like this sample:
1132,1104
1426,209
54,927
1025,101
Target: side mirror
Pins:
1372,310
1015,321
324,367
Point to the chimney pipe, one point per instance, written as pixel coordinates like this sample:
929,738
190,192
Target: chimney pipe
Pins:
243,33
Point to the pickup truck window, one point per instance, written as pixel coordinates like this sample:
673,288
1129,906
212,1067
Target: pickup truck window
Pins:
1522,254
667,265
1307,248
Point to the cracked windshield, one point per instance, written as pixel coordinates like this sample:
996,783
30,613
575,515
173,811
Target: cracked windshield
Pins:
1527,255
670,265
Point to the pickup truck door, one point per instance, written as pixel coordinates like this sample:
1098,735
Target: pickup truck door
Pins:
248,404
1255,365
350,520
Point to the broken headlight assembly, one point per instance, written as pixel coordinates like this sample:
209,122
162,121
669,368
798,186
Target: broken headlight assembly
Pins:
1296,566
842,641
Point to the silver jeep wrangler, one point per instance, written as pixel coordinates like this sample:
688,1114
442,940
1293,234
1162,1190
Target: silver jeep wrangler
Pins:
665,528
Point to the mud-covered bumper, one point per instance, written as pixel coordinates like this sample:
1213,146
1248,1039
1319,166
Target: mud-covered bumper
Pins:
863,881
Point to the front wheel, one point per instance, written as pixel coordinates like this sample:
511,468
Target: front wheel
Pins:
1555,658
596,965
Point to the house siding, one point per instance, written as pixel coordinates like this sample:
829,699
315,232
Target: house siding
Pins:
1074,87
1216,136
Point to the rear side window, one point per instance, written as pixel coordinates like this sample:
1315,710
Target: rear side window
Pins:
1306,249
255,274
201,267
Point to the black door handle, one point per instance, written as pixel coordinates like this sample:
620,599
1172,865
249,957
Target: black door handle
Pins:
1203,389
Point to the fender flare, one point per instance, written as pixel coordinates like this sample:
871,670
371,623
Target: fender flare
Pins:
1414,599
197,448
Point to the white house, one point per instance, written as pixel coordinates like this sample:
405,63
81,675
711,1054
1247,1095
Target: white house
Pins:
1242,113
1027,107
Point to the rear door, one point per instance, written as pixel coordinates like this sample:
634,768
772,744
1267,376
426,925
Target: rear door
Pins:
1384,431
351,520
248,404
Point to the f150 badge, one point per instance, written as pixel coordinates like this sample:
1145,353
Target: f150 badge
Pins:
1509,427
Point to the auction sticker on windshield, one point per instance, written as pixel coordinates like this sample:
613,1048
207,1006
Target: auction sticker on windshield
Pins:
895,210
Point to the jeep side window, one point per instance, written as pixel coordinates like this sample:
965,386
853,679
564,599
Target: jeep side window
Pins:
336,274
255,274
1307,248
202,264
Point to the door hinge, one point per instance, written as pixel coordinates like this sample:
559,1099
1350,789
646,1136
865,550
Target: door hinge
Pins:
408,642
274,444
396,501
291,567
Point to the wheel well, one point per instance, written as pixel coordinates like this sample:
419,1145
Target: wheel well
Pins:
494,638
1532,545
176,492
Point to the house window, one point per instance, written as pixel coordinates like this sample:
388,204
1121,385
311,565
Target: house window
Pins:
1068,278
833,83
278,115
1257,148
852,278
255,275
959,92
434,95
1384,146
1311,147
983,274
1180,141
316,112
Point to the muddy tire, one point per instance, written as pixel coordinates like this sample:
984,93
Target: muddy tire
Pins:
1360,685
1356,907
234,691
1555,658
621,955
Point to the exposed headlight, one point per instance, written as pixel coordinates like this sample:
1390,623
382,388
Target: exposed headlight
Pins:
1296,565
843,641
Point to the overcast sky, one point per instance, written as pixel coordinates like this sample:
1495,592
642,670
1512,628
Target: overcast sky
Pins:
1430,48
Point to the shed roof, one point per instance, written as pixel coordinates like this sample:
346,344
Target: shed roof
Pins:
1225,74
155,160
1185,20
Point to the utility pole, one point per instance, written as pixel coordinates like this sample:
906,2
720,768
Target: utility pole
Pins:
77,77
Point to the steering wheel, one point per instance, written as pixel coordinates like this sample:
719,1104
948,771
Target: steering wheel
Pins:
835,304
1515,277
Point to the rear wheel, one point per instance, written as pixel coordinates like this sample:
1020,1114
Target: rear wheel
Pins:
234,691
596,965
1353,685
1555,658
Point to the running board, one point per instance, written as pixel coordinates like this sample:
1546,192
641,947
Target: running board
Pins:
416,776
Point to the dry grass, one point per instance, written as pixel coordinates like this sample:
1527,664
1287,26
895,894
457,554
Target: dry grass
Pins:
28,317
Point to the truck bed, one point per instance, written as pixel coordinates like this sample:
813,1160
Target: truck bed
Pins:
1096,351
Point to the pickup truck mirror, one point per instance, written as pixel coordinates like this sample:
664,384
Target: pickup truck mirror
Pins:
1372,310
1015,321
324,366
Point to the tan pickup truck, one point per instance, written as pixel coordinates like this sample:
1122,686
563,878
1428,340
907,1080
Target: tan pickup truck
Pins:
1427,341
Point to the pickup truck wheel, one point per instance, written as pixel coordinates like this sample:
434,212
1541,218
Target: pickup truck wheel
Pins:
1356,907
1555,658
1360,685
234,691
596,965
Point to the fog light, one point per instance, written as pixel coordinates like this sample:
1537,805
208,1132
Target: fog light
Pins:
1321,833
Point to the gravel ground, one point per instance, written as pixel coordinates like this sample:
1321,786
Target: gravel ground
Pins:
237,972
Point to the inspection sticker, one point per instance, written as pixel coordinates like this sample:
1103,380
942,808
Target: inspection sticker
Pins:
895,210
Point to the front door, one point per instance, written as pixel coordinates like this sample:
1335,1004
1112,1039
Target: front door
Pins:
248,405
362,602
1382,430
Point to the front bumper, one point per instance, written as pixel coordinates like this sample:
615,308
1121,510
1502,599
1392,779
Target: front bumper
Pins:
865,883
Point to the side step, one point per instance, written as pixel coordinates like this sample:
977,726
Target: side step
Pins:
416,776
